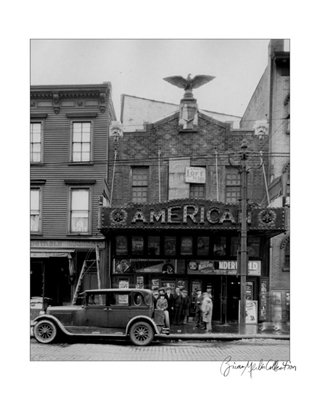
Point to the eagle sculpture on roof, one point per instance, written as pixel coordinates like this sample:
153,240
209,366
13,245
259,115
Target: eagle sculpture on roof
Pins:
189,83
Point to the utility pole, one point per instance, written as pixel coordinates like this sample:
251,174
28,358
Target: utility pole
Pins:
244,228
243,259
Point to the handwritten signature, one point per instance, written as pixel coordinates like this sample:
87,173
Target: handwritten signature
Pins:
228,365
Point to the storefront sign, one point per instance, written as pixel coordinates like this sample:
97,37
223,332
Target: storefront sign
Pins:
144,265
140,282
195,175
198,213
221,267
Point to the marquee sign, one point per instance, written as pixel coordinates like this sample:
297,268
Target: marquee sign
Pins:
186,214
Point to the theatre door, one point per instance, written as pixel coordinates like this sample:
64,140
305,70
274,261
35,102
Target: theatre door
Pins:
226,295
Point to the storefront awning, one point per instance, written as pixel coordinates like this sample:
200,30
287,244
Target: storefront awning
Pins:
47,253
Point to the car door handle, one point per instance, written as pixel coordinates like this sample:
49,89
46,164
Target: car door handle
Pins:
107,309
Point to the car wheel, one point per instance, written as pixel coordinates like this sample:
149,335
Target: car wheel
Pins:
141,333
45,331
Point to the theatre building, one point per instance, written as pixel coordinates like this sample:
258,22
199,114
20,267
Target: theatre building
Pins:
174,214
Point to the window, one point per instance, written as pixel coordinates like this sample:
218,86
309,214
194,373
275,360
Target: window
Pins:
140,184
35,142
35,211
285,248
233,187
197,191
287,256
81,141
79,211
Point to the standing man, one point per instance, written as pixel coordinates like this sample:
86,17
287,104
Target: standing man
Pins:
170,300
198,308
207,312
185,306
177,298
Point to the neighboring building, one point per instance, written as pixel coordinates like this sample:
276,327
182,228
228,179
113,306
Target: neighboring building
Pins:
69,153
136,112
173,218
269,113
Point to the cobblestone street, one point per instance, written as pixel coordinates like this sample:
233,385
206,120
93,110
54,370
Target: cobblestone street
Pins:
242,350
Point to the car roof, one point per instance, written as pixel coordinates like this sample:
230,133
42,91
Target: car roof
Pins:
104,291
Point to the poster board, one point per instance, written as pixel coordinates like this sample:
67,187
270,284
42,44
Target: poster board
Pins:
251,312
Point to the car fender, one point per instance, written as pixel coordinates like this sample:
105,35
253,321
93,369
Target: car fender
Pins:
142,318
53,319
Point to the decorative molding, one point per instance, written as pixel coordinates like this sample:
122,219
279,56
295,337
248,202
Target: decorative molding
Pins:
261,128
56,103
83,114
37,182
38,115
284,242
79,181
286,168
116,131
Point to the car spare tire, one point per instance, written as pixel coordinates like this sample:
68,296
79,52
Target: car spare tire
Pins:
141,333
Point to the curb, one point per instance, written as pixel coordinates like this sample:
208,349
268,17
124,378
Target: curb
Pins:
222,336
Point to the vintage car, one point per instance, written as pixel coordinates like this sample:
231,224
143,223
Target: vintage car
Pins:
105,313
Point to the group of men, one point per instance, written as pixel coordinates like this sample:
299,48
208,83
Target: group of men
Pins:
177,305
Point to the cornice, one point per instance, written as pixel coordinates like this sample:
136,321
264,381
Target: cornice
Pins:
36,95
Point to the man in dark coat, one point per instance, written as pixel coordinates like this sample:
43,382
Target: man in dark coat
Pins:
197,305
170,300
177,297
185,306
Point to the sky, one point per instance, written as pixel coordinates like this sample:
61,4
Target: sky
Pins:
137,68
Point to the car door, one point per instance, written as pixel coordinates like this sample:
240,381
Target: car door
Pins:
117,310
96,311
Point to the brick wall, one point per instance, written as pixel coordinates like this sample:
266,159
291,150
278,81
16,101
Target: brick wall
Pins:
199,148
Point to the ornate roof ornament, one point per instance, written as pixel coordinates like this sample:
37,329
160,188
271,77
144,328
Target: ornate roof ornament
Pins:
188,84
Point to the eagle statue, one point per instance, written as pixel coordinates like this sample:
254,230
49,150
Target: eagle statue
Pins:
189,83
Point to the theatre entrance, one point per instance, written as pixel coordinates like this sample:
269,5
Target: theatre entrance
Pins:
226,295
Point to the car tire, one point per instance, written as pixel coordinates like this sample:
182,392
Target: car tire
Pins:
141,333
45,331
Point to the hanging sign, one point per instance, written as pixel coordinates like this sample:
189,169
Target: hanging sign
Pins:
195,175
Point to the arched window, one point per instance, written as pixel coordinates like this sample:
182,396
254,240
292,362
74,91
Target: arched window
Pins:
285,247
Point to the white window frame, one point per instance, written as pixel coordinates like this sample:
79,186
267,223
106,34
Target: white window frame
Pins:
34,122
36,212
72,189
81,121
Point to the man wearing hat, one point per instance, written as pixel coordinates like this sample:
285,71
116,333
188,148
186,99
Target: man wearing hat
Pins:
206,308
198,311
177,302
185,306
170,300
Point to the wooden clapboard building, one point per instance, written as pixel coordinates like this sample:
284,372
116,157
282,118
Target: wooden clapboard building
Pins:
173,213
69,151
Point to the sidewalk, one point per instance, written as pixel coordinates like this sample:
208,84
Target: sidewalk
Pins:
229,331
